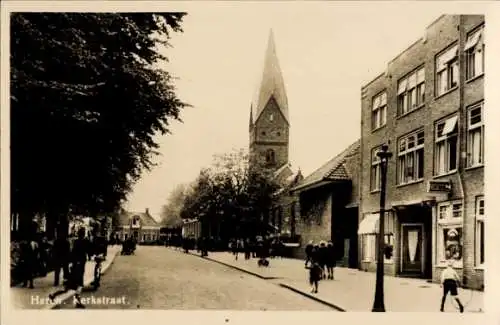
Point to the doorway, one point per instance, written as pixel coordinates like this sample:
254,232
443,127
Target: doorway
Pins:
412,249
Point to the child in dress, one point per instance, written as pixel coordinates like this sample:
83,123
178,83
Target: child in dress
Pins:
315,273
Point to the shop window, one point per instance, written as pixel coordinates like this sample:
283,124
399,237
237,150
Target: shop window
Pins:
479,231
450,233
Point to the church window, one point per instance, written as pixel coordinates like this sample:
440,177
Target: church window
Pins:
271,117
270,156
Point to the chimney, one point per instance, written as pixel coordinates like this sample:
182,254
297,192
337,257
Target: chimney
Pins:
147,211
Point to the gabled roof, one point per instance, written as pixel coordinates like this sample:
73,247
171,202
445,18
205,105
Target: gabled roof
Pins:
333,170
272,84
146,219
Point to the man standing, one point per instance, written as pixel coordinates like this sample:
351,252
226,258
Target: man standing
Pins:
79,255
61,258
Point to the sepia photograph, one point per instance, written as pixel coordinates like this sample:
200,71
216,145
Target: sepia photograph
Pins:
245,157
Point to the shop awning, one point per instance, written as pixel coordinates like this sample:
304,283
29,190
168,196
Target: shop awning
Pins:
369,225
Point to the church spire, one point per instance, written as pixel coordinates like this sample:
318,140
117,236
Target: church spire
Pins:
271,84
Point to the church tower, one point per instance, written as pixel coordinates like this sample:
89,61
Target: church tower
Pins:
269,121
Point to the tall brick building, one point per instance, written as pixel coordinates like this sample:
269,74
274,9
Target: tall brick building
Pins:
428,106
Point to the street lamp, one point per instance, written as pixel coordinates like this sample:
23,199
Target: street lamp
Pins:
378,303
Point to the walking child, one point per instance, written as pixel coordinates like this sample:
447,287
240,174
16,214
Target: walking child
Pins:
314,275
450,282
330,262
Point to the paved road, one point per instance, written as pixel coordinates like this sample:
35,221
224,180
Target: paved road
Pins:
160,278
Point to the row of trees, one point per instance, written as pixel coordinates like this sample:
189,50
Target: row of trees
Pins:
88,96
232,196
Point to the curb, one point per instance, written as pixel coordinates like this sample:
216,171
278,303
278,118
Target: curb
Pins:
71,293
329,304
237,268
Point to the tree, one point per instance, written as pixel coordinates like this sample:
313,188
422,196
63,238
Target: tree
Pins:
171,212
231,195
87,98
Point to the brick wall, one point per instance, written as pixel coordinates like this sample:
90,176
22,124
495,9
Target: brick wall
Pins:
267,134
446,31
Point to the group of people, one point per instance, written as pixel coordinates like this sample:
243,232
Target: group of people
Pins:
321,262
64,255
260,247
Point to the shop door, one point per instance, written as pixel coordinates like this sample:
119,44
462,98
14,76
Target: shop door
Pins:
412,249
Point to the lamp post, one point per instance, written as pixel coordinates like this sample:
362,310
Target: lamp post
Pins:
378,303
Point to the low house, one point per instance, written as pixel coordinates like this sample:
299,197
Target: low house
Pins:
329,206
139,225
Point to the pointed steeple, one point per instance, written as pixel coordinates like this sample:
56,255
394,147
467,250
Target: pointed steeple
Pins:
250,124
271,84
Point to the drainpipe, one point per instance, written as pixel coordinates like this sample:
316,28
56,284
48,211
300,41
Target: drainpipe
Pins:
462,135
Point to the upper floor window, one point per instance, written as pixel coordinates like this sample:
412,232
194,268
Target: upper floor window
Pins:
375,170
446,146
411,158
411,91
447,72
474,53
475,135
379,110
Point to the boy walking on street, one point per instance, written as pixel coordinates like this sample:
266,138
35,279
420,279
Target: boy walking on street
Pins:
450,282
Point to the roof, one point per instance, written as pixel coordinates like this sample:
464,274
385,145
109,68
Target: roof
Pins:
271,84
333,170
146,219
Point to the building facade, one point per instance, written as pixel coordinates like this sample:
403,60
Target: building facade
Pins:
138,225
328,206
428,107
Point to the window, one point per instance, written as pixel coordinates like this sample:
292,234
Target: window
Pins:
447,70
375,170
475,136
450,236
411,158
474,53
446,146
369,240
270,156
369,244
379,111
411,91
480,230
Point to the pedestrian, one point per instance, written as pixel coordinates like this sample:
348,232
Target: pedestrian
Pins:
309,250
28,260
314,275
330,260
79,255
61,258
450,281
248,249
322,258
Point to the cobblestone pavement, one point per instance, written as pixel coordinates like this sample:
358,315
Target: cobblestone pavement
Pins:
161,278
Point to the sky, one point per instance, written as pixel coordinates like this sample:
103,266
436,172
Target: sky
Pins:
327,52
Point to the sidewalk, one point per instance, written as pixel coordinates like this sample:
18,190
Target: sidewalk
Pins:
25,298
354,290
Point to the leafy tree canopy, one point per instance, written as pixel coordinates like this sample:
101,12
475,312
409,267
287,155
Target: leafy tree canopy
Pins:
88,95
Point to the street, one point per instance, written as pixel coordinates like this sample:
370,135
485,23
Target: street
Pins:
161,278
